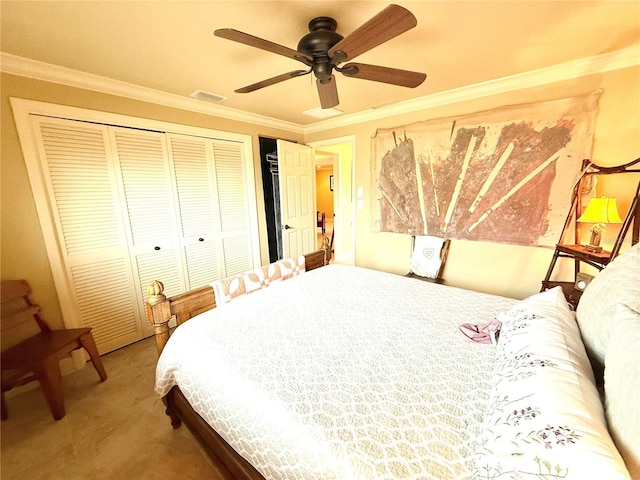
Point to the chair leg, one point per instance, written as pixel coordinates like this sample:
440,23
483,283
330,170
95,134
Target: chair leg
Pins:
90,346
51,383
5,413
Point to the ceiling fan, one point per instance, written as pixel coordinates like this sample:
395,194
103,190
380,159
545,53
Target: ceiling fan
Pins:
323,50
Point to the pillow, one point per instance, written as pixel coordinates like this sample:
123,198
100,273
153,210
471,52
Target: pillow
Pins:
617,284
544,416
622,385
290,267
227,289
425,260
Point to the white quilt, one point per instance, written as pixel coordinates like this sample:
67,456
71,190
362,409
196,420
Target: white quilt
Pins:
341,373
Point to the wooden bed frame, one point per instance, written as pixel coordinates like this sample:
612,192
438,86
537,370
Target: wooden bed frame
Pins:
160,310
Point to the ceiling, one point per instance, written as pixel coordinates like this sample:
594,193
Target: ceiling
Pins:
169,46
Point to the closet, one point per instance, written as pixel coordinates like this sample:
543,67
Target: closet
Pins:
129,205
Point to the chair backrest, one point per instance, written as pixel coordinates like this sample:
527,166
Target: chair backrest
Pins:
429,255
17,307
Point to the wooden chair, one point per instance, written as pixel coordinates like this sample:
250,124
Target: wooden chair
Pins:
38,357
321,221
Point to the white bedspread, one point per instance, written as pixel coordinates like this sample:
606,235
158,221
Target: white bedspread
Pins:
340,373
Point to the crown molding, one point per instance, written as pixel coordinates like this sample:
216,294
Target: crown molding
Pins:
625,58
628,57
25,67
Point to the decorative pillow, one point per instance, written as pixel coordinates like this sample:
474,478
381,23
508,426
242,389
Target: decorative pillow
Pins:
622,385
617,284
290,267
227,289
272,273
425,260
544,417
253,279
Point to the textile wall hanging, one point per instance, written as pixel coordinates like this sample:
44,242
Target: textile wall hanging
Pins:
503,175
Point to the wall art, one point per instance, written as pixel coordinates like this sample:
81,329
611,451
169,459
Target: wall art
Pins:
504,175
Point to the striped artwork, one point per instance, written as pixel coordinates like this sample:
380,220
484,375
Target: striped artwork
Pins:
504,175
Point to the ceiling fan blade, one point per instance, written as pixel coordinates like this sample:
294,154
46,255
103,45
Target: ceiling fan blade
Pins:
394,76
389,23
245,38
328,92
272,81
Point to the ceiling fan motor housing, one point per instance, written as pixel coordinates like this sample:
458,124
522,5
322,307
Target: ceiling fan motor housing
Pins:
321,37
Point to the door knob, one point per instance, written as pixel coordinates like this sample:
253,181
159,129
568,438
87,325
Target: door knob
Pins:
287,227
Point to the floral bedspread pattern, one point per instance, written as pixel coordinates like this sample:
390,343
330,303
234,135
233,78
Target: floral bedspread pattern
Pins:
544,419
341,373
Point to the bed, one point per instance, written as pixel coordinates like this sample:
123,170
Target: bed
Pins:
342,372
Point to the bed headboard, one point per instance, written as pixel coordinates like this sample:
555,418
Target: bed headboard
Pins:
184,306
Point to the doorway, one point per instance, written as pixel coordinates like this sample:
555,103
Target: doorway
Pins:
335,195
341,151
288,179
271,192
325,188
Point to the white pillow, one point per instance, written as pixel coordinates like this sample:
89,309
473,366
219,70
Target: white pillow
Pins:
618,283
622,385
425,259
544,417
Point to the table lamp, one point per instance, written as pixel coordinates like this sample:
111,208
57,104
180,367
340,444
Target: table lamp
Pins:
600,211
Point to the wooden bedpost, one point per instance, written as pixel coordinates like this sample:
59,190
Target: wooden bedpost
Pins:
159,313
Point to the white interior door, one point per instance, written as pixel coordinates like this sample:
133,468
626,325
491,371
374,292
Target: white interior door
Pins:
297,179
233,191
191,161
75,187
149,208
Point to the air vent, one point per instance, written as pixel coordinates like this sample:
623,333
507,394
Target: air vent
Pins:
323,112
207,96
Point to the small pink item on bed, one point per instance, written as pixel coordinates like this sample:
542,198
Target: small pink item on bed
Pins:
482,333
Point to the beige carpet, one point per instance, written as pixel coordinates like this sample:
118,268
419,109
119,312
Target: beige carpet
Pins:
112,430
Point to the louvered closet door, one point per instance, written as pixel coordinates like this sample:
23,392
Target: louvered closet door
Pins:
81,189
231,188
150,210
191,160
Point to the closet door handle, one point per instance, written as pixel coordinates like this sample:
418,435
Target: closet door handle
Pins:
156,248
287,227
201,239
